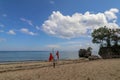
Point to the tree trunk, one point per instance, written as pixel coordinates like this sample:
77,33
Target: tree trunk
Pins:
116,43
108,43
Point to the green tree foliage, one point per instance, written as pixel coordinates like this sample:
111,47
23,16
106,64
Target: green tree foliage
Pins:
115,36
89,49
85,52
109,39
106,37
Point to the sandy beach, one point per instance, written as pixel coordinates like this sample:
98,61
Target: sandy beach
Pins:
108,69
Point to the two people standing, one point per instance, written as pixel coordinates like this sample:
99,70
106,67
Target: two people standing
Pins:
52,58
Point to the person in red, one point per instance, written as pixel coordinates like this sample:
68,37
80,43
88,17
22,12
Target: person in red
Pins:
57,54
51,57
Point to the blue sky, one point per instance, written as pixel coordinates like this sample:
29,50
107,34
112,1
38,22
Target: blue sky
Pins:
59,24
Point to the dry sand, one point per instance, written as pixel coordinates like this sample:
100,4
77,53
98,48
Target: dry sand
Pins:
108,69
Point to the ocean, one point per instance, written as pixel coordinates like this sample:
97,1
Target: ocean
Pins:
14,56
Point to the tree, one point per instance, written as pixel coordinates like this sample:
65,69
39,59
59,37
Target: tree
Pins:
109,40
89,49
82,52
115,37
85,52
102,36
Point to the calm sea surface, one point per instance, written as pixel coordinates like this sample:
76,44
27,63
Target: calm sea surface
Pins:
9,56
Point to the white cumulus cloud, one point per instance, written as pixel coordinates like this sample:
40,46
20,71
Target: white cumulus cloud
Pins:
12,32
111,14
78,24
26,31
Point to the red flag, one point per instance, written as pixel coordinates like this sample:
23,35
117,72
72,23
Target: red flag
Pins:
57,54
50,57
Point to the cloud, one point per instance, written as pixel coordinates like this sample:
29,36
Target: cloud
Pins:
4,15
37,27
53,46
26,31
73,46
111,14
78,24
27,21
52,2
2,39
12,32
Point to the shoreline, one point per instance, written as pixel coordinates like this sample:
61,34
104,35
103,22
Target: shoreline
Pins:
82,69
102,69
27,65
29,61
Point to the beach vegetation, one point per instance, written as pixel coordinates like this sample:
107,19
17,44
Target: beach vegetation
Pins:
109,40
85,52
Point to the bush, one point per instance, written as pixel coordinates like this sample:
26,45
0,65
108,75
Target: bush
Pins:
110,52
85,53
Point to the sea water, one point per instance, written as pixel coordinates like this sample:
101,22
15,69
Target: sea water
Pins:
9,56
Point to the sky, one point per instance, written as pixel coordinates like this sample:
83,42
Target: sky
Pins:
60,24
